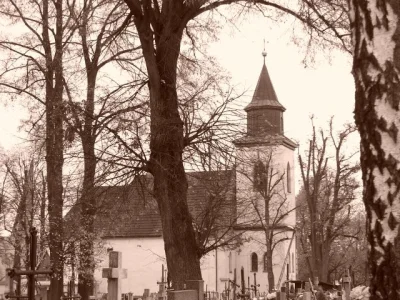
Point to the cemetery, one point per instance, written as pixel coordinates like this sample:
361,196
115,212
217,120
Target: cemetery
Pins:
145,153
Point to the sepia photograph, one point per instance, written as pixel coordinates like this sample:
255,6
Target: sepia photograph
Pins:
200,149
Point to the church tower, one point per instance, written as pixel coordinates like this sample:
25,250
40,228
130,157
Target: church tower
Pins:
264,113
265,170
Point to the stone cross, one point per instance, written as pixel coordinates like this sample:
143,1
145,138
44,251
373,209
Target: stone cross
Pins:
114,273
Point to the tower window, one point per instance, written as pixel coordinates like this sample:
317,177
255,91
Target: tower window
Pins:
254,262
289,179
259,176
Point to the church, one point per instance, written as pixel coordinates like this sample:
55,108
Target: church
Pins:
253,203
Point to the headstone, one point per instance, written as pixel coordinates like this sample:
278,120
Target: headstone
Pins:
114,273
162,293
146,294
281,295
307,291
197,285
42,295
183,295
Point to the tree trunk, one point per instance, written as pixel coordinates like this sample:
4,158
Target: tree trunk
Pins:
270,269
314,245
42,218
166,145
88,201
376,66
54,146
269,239
86,258
324,265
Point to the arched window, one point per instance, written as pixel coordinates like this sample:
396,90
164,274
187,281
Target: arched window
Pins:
254,262
259,176
265,262
289,179
230,262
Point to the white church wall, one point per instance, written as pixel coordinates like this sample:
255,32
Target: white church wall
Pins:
247,196
143,258
284,156
255,245
215,277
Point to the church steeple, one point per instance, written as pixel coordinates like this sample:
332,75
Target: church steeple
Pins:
264,112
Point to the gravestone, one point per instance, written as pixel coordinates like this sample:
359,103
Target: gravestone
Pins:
281,295
114,273
162,293
194,291
307,292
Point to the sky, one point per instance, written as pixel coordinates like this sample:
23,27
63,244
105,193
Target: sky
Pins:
323,89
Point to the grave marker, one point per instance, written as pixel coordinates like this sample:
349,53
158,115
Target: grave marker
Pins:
114,273
162,293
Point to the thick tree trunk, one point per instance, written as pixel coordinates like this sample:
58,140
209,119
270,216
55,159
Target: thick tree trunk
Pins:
88,204
42,218
54,147
166,145
324,265
170,189
376,66
86,259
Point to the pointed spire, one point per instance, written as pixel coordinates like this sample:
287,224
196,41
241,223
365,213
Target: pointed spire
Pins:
264,94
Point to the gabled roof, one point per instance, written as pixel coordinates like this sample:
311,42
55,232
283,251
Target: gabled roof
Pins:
131,211
264,94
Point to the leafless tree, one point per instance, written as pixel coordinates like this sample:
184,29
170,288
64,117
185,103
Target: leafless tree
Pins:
329,189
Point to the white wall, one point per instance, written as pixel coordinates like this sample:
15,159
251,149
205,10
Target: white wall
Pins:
247,196
142,257
243,259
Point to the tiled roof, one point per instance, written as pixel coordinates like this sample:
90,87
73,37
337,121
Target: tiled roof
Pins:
131,211
264,94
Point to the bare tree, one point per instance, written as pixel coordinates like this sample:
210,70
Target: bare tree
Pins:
267,204
160,26
38,56
22,195
328,191
99,23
